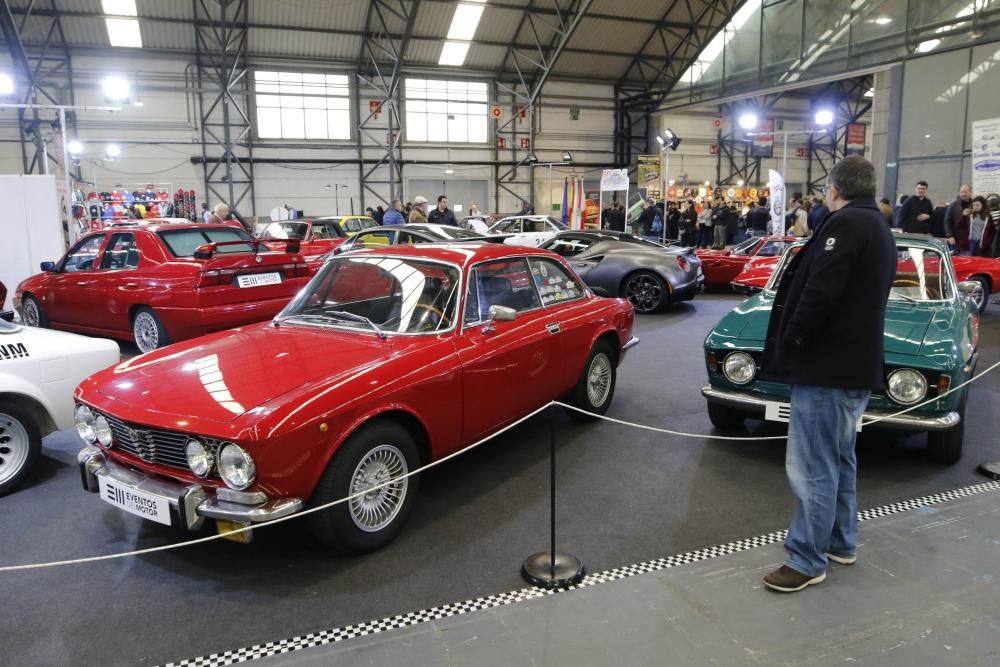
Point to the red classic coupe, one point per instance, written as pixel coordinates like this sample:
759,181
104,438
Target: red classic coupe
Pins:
155,284
722,266
389,359
317,237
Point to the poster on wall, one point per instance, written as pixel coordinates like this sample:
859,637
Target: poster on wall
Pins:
649,172
777,203
986,156
763,140
856,133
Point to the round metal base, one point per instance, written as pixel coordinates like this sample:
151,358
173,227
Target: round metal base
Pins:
991,469
538,570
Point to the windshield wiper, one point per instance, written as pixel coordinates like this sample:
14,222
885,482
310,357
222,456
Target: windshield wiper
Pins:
312,317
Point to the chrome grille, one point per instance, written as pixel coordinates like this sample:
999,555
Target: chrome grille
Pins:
153,445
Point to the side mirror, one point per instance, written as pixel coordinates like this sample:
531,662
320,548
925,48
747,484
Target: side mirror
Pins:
499,314
600,291
48,266
970,289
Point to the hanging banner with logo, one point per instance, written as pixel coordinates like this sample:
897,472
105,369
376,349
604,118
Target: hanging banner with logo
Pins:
777,203
856,139
763,140
649,174
613,180
986,156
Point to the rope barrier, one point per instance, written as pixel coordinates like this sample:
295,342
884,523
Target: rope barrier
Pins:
455,454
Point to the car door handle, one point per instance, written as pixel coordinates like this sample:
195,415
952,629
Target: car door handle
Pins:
552,327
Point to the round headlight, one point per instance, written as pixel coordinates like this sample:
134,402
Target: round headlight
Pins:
102,431
739,368
84,417
236,467
907,386
199,458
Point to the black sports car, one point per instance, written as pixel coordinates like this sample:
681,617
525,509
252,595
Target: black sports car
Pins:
650,275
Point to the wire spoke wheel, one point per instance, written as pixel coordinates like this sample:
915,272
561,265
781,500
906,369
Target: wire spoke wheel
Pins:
644,291
599,380
14,447
146,332
377,508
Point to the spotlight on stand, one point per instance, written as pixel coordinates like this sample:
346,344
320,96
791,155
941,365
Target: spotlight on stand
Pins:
115,89
112,151
824,117
669,140
748,120
531,158
567,156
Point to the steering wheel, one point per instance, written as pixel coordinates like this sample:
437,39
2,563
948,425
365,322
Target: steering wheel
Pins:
904,283
442,318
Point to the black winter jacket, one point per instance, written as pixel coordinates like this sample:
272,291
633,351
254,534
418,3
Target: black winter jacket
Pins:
760,217
828,317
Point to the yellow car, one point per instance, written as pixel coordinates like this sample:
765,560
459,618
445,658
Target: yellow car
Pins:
349,224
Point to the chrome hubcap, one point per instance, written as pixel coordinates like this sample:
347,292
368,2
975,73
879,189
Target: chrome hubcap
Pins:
599,380
13,447
29,311
979,295
376,509
147,335
644,292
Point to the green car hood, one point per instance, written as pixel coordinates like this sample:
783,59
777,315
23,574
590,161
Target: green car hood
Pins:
907,325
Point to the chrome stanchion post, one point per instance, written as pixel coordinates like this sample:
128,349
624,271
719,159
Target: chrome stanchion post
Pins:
552,569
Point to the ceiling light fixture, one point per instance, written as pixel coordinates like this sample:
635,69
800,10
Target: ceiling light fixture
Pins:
112,151
449,171
74,147
465,21
6,84
453,53
115,89
567,156
824,117
124,33
748,120
119,7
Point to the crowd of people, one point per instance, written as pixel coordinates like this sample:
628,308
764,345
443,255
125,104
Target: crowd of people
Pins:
970,222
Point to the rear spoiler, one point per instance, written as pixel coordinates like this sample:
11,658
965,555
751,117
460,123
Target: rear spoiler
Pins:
207,250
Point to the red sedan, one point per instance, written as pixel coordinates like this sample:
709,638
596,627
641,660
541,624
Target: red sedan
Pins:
722,266
389,359
155,284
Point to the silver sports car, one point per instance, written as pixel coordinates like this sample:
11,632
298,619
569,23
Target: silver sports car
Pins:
650,275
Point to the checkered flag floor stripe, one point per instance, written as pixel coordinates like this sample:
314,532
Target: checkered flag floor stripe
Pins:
400,621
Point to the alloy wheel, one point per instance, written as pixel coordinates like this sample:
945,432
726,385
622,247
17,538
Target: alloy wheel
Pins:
599,380
644,291
378,507
978,296
146,332
29,313
14,447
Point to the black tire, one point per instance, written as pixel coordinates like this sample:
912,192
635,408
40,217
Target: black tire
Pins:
946,446
337,526
603,361
647,291
148,330
28,304
725,418
986,292
20,445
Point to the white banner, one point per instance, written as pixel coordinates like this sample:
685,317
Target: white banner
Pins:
777,203
613,180
986,156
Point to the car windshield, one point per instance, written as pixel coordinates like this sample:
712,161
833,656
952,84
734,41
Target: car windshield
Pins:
183,242
745,248
507,226
922,274
453,232
380,294
280,231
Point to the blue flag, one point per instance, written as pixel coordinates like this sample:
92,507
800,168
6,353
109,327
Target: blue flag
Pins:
565,208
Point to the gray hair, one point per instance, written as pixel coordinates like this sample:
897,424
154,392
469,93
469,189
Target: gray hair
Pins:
220,207
854,176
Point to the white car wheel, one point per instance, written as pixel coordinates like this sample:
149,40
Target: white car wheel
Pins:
20,445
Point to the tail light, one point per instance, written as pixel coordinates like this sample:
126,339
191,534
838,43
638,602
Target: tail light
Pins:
683,263
216,277
295,270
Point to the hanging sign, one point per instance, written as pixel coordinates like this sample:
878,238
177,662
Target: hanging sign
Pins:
526,143
856,139
374,107
763,140
648,174
986,156
613,180
496,112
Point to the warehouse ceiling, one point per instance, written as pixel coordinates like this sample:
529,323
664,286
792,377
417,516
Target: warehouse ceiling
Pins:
641,45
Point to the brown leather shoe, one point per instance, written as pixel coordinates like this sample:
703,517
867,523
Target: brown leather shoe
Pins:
787,580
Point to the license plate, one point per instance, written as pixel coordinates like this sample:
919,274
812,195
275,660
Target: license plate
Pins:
226,528
135,502
259,279
781,412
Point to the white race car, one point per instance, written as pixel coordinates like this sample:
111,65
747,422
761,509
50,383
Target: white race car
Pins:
529,230
39,370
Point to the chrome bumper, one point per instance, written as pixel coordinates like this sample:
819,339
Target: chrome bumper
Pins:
189,504
632,342
908,422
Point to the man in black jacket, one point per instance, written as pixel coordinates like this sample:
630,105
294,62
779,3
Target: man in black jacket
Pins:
915,216
760,218
825,340
442,215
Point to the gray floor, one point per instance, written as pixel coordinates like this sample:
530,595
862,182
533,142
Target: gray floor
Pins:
923,592
624,497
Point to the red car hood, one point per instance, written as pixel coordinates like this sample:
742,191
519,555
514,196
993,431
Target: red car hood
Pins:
222,376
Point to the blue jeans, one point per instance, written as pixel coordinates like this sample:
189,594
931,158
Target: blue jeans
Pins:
822,471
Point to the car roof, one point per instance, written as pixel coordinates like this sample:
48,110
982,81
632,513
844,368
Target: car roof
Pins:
160,225
463,254
335,218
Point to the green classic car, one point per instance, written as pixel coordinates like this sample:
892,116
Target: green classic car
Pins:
931,337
